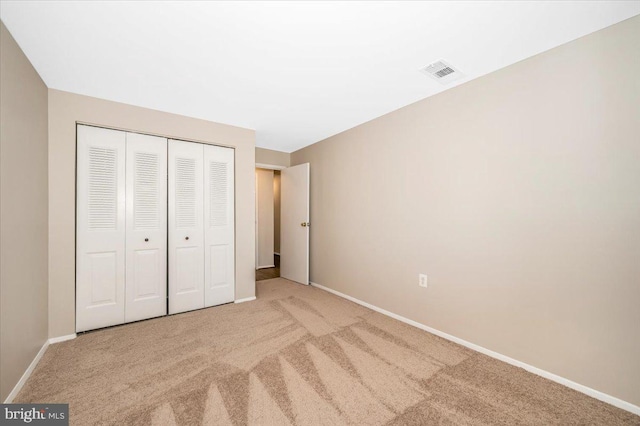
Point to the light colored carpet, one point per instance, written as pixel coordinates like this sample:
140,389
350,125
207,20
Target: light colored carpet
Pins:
300,356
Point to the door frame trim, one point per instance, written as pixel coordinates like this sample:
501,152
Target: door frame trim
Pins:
270,166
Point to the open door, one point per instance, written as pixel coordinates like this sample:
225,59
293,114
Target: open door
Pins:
294,226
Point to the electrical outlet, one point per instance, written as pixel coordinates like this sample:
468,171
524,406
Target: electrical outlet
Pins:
422,280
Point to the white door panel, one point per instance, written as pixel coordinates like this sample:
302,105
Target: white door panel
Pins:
186,232
100,228
219,231
294,223
146,177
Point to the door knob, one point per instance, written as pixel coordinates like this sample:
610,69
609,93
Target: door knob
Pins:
303,224
186,238
146,240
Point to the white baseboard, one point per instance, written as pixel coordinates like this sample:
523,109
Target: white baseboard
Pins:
34,363
27,373
266,266
246,299
62,338
616,402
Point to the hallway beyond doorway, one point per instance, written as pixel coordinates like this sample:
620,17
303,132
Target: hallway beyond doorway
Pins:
268,273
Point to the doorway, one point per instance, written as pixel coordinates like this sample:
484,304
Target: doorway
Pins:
267,224
282,223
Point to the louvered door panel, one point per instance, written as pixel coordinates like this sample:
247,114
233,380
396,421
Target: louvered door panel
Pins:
100,228
103,188
219,225
186,221
146,247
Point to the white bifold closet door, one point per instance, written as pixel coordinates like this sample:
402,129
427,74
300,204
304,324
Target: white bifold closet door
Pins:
201,226
146,224
121,235
100,233
186,227
219,237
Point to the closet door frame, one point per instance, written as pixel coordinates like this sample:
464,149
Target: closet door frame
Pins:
174,240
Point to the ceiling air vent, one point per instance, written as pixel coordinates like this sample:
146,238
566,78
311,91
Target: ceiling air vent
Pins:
442,72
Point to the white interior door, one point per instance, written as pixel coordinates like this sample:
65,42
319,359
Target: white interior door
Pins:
100,232
146,241
294,223
219,253
186,232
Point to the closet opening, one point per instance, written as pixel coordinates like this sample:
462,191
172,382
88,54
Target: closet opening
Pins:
155,226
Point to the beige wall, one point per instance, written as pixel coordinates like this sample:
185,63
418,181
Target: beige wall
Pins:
65,109
264,218
23,213
518,194
272,158
276,211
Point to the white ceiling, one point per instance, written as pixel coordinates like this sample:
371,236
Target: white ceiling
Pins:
296,72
